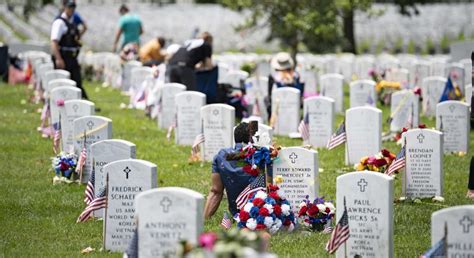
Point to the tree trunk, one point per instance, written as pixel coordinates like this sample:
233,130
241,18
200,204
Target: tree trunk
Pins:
348,20
294,50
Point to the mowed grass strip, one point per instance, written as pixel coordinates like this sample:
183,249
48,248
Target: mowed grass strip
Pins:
38,219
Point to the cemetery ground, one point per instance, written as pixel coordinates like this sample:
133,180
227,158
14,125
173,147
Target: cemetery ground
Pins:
39,219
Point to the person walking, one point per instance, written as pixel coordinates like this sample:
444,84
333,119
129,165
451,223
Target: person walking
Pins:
65,44
130,29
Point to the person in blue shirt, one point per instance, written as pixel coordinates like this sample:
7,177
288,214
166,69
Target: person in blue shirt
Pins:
228,175
130,27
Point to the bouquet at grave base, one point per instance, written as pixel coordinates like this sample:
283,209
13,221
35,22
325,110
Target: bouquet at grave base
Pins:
64,166
377,163
397,137
267,211
315,215
231,243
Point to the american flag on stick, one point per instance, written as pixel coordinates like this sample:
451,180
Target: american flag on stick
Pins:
398,163
340,234
197,141
57,136
98,203
257,185
338,138
303,128
90,189
226,223
82,158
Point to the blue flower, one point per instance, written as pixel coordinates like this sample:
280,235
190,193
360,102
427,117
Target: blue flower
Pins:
260,219
254,212
270,200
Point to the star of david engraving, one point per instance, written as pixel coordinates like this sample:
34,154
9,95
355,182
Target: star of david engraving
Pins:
466,224
215,112
362,184
420,138
75,107
127,171
90,124
166,203
293,157
452,108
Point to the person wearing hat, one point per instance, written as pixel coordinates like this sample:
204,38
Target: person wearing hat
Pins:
65,44
284,75
76,19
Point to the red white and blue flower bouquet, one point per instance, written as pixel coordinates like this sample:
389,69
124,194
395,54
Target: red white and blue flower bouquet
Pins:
64,166
315,215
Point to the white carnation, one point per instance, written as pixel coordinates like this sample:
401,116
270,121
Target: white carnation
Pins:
269,207
330,206
302,204
261,194
277,223
248,206
268,222
321,208
285,209
251,224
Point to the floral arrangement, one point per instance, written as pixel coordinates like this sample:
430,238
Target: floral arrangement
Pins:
231,243
316,214
397,137
64,166
378,163
264,211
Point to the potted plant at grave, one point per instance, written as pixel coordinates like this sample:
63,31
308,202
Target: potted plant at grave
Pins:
377,163
64,166
315,215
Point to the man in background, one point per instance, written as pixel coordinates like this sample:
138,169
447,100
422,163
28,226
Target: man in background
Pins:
76,19
153,52
130,26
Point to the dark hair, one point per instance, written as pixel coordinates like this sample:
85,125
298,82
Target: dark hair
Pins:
207,37
123,9
162,41
241,133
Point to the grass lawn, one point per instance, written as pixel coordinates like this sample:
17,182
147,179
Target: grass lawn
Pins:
38,219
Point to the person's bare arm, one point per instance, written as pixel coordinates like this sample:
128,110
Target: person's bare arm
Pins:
117,38
215,196
83,29
206,64
57,56
141,29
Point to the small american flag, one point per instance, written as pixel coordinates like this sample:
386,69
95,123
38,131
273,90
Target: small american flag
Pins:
338,138
398,163
257,185
226,223
340,234
98,203
437,251
171,128
82,159
197,141
57,136
303,128
90,189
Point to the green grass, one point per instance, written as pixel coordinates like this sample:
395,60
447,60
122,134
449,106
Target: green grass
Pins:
38,219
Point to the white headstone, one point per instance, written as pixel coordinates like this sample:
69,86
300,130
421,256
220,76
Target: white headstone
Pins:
286,108
54,74
60,82
459,222
423,176
362,66
468,93
453,119
438,67
310,79
363,132
404,108
300,172
104,152
126,179
362,93
73,109
167,114
319,112
218,122
257,91
332,86
431,91
96,128
167,216
188,108
127,74
369,203
418,71
57,98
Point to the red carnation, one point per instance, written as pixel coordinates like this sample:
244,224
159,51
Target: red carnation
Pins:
380,162
258,202
274,195
303,211
243,215
273,188
404,130
263,212
63,166
422,126
287,222
327,210
277,209
313,211
248,169
385,152
260,227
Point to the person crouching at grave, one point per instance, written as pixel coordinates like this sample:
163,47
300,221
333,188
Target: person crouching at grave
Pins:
228,175
284,75
153,52
195,54
65,44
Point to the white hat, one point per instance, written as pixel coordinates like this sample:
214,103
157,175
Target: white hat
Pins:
282,61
